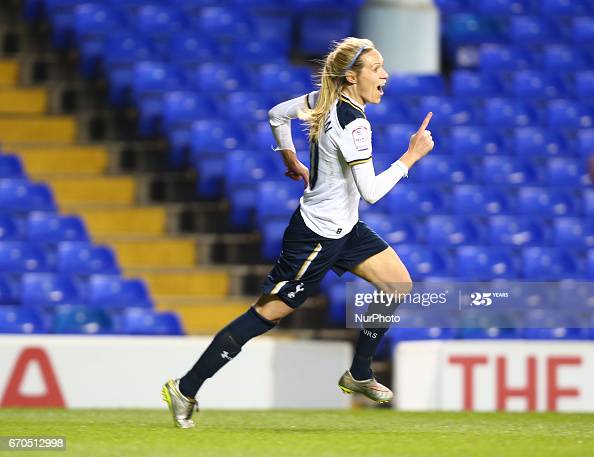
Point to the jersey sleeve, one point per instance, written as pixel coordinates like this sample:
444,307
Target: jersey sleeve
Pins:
355,142
280,117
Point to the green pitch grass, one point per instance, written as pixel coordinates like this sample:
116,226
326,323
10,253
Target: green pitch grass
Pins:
369,432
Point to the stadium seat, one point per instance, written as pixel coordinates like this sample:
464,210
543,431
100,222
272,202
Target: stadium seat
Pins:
452,230
473,140
542,201
569,114
22,196
53,228
9,228
498,57
76,258
573,232
387,112
588,202
535,84
214,137
110,291
416,85
559,58
397,136
518,231
284,79
447,111
217,77
191,49
478,263
272,236
11,167
78,319
504,7
467,83
471,29
506,170
537,141
154,77
258,50
561,171
141,321
49,289
423,261
328,27
437,169
582,31
10,293
94,19
531,30
245,107
183,107
563,7
584,85
223,22
278,199
501,112
547,264
21,257
20,320
477,200
585,142
413,199
154,20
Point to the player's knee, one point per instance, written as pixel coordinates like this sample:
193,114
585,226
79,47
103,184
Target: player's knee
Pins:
272,309
397,284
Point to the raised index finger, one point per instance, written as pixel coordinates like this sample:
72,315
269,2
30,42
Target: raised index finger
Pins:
426,121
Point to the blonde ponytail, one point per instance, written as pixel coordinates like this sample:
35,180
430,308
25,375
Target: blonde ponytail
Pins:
343,57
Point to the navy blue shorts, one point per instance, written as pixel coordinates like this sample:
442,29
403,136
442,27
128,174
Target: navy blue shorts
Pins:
306,257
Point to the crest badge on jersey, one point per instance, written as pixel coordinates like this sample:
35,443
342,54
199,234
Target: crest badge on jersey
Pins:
362,138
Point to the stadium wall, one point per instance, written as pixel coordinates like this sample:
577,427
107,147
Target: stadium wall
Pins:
494,375
128,372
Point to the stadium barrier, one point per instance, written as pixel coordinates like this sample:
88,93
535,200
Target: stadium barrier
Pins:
128,372
494,376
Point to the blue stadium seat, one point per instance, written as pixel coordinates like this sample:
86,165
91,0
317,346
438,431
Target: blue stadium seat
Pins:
20,257
397,136
79,258
141,321
563,171
444,170
155,77
258,50
272,236
502,112
20,320
452,230
542,201
181,108
277,25
153,20
191,49
447,111
584,85
585,142
11,167
78,319
328,27
451,6
466,83
532,30
518,231
479,141
413,199
497,57
478,263
547,264
478,200
563,7
504,7
10,290
110,291
48,289
505,170
217,77
387,112
573,232
470,29
558,58
95,19
537,141
416,85
582,31
223,22
535,84
214,137
588,202
22,196
245,107
569,114
52,228
9,228
285,79
278,199
423,261
126,48
328,5
590,265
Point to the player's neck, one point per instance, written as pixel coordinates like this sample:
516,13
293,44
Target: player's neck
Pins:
350,93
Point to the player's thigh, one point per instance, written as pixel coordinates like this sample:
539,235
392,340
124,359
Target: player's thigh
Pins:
386,271
271,307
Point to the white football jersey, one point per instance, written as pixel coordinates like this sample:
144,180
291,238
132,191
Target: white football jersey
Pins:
330,204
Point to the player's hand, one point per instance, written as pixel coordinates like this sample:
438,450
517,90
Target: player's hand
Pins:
295,169
422,142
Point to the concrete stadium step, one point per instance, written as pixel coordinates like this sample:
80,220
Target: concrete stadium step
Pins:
135,252
9,72
205,315
23,101
109,190
61,159
38,129
105,221
183,282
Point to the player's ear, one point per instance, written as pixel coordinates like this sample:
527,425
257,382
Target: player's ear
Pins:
351,77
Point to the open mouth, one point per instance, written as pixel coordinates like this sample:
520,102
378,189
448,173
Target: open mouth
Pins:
380,89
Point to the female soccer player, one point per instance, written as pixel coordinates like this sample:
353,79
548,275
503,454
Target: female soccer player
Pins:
325,231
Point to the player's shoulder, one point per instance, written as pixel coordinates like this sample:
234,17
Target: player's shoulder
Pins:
347,112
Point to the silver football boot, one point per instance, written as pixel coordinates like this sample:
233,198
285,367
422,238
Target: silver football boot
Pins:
181,407
368,387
